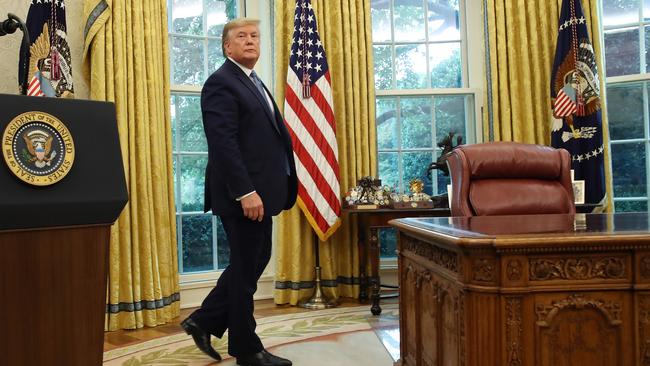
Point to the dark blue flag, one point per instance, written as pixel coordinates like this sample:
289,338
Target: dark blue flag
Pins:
49,66
575,93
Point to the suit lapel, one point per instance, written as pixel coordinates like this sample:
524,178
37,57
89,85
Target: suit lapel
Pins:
248,83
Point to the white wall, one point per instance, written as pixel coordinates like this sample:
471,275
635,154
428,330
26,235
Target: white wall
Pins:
10,45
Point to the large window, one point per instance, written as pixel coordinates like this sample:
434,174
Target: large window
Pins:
195,28
626,26
422,88
408,128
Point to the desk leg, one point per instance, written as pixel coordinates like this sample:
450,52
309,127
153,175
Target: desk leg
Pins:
363,260
374,268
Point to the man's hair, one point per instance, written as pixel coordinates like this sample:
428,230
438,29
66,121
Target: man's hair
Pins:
235,23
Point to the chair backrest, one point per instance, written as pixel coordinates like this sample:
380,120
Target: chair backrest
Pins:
509,178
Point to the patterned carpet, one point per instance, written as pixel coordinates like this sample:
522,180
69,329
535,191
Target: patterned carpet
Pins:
332,337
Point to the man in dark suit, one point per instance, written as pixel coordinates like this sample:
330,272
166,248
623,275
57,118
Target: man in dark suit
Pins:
250,177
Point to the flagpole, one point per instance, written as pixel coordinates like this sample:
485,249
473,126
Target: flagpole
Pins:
9,26
318,300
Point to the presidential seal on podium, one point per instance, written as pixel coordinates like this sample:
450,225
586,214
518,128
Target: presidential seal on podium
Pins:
38,148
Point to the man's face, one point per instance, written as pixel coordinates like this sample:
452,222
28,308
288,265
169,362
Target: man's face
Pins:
243,45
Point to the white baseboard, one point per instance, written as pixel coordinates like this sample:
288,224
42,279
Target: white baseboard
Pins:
388,276
193,293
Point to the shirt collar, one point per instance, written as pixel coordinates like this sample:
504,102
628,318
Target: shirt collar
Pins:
243,68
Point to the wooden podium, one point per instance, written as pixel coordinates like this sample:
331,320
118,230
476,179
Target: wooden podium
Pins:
54,239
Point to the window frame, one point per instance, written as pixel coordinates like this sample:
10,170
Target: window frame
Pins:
642,77
472,59
473,65
255,9
472,131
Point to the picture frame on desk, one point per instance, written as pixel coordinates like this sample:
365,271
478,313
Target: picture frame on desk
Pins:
579,191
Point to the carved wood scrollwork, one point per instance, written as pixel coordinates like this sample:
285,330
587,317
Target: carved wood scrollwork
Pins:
514,270
406,275
483,269
424,275
449,325
410,268
461,320
410,275
374,237
645,266
513,330
461,326
546,313
442,257
644,328
577,268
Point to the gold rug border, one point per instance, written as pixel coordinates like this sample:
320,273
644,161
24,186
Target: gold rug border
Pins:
180,337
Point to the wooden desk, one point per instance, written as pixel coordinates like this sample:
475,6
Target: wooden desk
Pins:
525,290
369,223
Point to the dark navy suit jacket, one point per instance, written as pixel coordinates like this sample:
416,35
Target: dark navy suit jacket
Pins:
249,147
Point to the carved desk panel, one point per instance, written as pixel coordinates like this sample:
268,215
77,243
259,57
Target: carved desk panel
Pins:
543,290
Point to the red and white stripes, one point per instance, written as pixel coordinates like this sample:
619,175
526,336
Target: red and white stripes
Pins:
312,127
564,106
34,87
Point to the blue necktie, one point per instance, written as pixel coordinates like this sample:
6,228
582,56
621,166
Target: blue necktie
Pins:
260,88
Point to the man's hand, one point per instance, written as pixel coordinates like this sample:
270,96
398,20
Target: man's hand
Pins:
253,207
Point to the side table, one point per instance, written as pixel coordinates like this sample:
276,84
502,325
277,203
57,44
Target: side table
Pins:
369,223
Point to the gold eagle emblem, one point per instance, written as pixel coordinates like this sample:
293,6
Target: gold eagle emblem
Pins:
39,145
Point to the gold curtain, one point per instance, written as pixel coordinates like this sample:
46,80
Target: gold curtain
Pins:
126,61
345,30
521,41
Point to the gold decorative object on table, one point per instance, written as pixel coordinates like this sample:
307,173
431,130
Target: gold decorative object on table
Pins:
370,194
417,198
416,185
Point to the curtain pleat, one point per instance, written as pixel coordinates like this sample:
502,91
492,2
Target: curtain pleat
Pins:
345,30
521,39
126,61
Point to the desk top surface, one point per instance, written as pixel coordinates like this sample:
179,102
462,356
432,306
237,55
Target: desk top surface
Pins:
532,229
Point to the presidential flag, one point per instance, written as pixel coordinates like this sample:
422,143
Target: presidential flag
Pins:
309,115
575,94
49,66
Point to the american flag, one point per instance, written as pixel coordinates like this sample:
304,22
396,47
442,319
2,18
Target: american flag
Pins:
34,88
564,103
47,68
575,87
309,115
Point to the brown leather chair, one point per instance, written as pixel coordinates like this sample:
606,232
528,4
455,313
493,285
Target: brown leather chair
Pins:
509,178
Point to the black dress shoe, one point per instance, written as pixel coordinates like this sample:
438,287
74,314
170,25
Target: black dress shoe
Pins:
201,338
263,358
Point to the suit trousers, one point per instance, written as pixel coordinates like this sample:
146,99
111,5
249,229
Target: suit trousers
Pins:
230,303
